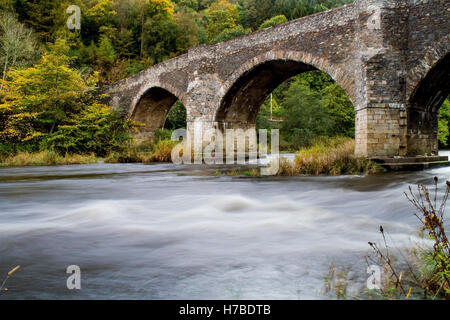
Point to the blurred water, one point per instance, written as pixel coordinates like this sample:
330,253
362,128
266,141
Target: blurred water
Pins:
169,232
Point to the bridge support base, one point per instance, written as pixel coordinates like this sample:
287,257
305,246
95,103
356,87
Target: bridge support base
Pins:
412,163
381,131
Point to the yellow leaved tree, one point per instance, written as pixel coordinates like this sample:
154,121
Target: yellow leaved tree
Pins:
49,105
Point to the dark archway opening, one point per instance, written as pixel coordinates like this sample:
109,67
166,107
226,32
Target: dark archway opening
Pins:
424,107
300,100
156,110
242,102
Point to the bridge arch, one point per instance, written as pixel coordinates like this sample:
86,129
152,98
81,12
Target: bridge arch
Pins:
151,107
424,102
248,87
433,54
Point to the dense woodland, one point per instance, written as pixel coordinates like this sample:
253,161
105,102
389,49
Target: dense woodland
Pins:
48,73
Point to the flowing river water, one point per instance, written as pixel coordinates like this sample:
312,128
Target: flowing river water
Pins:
162,231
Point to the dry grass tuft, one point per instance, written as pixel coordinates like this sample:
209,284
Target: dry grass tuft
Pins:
144,151
10,273
426,273
45,158
329,157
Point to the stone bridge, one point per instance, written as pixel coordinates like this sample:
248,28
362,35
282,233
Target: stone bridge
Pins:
390,56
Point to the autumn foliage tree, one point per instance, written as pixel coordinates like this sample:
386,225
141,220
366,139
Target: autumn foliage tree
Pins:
221,15
47,105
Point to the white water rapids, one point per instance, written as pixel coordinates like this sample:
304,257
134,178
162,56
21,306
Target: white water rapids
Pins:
166,232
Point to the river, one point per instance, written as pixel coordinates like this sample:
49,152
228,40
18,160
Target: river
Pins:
161,231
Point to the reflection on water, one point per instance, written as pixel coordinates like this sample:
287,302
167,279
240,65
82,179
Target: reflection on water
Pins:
161,231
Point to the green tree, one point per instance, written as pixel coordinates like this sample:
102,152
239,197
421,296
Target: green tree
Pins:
221,15
158,31
187,32
160,39
340,110
38,98
96,129
444,124
50,105
263,120
99,19
273,22
7,5
124,42
339,107
252,13
187,5
305,115
105,54
231,33
47,16
176,118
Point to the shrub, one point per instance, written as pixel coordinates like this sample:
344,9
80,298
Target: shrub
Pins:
276,20
97,129
162,151
163,134
51,106
427,272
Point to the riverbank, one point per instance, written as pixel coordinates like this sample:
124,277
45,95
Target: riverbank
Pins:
326,156
46,158
133,153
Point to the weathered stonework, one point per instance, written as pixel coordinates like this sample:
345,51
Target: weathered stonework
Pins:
392,58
